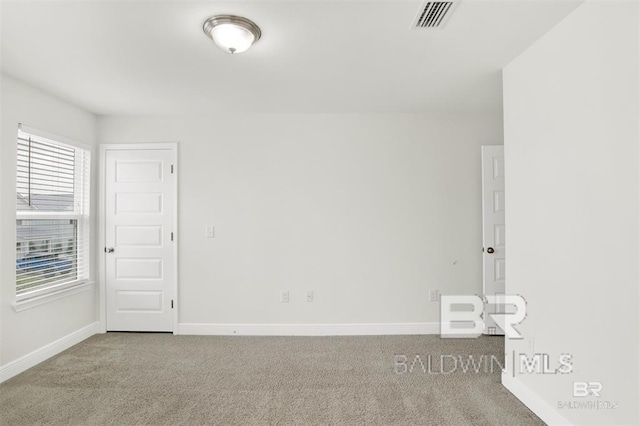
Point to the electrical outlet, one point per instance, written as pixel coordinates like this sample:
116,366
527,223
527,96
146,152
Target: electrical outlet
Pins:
309,295
284,296
434,296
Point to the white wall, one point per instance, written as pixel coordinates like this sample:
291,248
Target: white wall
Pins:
26,331
368,211
572,167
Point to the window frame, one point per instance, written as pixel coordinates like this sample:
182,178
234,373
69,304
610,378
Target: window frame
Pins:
81,214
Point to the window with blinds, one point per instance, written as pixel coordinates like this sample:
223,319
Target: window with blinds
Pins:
52,214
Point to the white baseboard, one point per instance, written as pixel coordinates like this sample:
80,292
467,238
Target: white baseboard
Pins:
366,329
34,358
533,401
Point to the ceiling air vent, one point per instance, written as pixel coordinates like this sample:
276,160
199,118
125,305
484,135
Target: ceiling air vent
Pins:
434,14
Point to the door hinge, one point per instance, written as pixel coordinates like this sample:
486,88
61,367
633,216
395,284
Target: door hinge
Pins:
172,169
172,304
172,236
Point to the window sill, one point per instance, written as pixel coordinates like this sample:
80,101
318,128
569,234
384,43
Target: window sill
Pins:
25,304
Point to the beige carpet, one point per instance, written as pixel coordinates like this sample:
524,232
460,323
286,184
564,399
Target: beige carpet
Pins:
156,379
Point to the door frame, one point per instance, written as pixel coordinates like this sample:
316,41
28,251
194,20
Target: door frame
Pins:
102,192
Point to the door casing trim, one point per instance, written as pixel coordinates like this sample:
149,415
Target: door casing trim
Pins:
101,276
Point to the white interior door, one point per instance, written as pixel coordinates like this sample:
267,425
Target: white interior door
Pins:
139,259
493,209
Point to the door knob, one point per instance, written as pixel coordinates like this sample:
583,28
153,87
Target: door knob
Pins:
490,250
109,249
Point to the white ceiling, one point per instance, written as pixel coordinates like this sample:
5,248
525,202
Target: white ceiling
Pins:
152,57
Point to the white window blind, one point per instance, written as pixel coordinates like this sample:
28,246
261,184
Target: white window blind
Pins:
52,214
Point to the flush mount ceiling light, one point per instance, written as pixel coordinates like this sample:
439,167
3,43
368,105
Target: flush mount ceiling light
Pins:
233,34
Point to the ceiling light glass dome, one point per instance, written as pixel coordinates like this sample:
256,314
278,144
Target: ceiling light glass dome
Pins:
233,34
